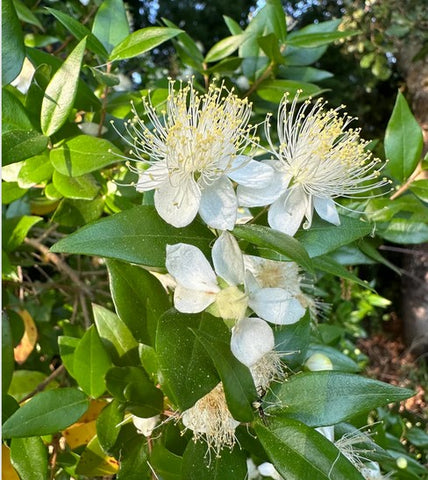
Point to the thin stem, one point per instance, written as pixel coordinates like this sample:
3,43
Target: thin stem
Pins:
41,386
407,184
261,79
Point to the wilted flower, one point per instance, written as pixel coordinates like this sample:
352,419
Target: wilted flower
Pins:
318,159
194,153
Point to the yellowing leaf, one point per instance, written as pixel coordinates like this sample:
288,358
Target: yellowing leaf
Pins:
22,351
7,471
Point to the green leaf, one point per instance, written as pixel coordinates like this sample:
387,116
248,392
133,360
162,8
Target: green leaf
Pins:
94,462
14,114
340,361
74,213
229,465
67,346
325,398
403,141
18,145
47,412
132,386
80,32
91,363
367,248
16,229
29,457
137,235
305,74
10,192
61,92
232,25
238,383
111,24
13,49
7,361
313,456
280,242
404,231
270,45
135,464
35,170
318,39
107,425
81,188
26,15
116,336
323,237
83,154
25,382
224,48
273,90
133,290
142,41
187,370
420,189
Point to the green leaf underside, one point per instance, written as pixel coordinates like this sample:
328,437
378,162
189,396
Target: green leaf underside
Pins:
137,235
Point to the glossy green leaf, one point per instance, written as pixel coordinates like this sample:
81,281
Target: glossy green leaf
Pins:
229,465
132,386
108,425
420,189
13,49
14,114
367,248
79,31
83,154
94,462
29,457
232,25
116,336
80,188
270,45
26,15
403,141
142,41
18,145
91,363
67,346
134,290
404,231
135,462
16,229
313,456
305,74
137,235
186,48
187,370
61,92
323,237
47,412
339,360
280,242
238,383
325,398
35,170
10,192
318,39
274,90
166,464
7,361
224,48
111,24
75,213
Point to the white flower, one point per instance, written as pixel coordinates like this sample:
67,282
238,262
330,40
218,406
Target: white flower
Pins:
145,426
194,153
318,159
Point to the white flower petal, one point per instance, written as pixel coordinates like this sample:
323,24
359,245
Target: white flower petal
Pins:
286,214
192,301
251,173
251,339
178,202
228,260
145,426
153,177
276,306
219,206
326,209
266,469
259,197
327,432
187,264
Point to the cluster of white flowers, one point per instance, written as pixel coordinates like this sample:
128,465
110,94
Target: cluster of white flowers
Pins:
197,156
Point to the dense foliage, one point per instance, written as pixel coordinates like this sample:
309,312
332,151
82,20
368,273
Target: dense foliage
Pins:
169,251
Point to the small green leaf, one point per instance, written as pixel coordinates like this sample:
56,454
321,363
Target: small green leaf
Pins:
325,398
16,229
47,412
186,48
280,242
137,235
18,145
80,188
420,189
35,170
313,456
108,425
67,347
136,290
229,465
323,237
134,462
91,363
75,213
61,92
111,24
273,90
224,48
232,25
29,457
83,154
116,336
403,141
270,45
318,39
142,41
7,360
14,114
13,48
79,31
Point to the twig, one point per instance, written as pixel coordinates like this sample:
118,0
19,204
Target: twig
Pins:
407,184
41,386
262,78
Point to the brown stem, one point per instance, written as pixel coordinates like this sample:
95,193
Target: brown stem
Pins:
407,184
261,79
41,386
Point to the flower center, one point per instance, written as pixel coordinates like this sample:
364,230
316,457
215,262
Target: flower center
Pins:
231,303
